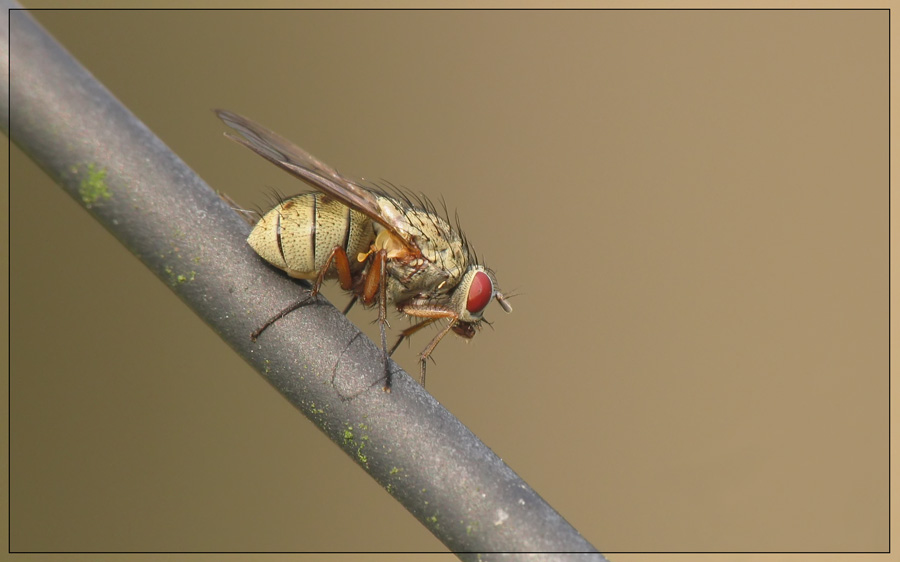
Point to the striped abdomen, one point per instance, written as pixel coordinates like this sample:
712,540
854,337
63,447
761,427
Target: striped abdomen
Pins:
299,234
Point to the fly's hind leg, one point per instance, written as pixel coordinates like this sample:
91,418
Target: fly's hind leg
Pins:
337,256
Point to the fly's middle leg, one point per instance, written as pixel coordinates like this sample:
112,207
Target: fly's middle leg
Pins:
376,284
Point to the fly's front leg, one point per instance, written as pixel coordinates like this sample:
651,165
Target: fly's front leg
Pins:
337,256
432,313
410,331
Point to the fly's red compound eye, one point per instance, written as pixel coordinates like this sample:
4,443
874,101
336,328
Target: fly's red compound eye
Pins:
480,292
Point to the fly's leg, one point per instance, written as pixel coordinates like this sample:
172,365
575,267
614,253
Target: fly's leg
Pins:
405,334
374,277
350,305
376,284
426,353
337,256
432,313
341,264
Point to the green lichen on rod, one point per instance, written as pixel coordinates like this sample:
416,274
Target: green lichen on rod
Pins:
93,186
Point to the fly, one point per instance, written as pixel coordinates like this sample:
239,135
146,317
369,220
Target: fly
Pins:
383,248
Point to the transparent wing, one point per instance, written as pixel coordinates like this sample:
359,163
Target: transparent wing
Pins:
293,159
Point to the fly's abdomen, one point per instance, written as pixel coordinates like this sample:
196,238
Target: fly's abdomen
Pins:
300,234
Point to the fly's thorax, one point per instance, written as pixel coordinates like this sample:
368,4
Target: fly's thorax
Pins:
434,274
299,234
419,277
439,243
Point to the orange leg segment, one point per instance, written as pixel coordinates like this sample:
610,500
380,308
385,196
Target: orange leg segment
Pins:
374,277
341,265
375,283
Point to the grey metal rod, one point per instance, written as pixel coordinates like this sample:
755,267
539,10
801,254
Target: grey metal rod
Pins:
145,196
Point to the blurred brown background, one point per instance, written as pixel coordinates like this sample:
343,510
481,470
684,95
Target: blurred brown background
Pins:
691,206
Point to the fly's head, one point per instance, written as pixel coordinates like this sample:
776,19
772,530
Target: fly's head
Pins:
474,292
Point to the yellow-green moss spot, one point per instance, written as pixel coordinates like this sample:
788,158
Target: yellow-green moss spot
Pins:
360,445
93,186
363,458
432,519
395,470
180,278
